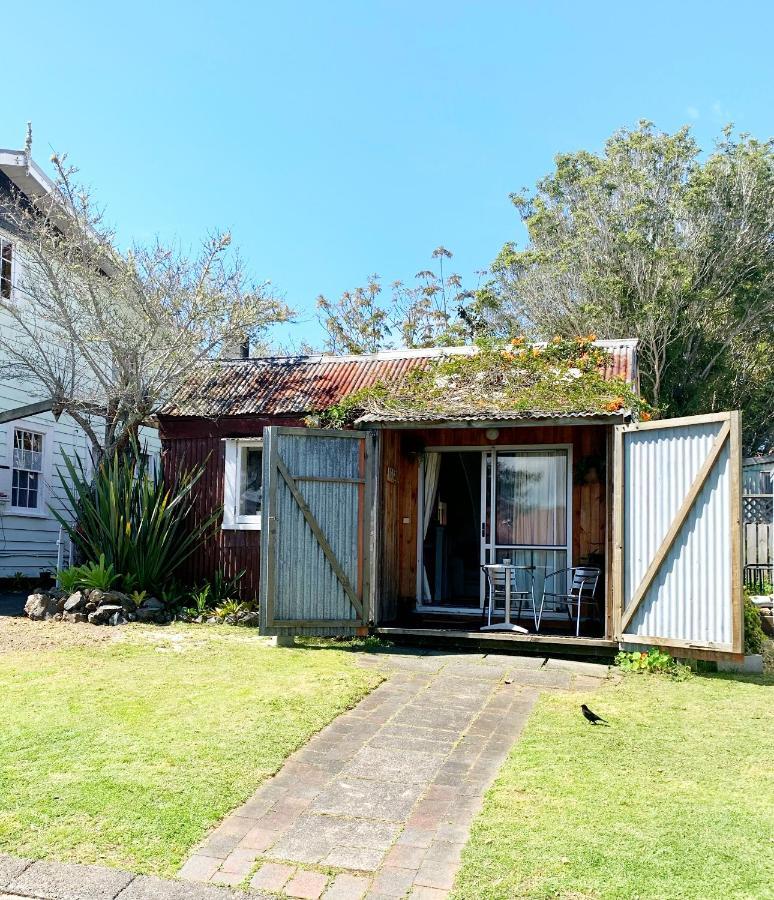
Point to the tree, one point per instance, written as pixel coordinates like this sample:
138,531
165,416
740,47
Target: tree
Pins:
110,335
647,240
430,312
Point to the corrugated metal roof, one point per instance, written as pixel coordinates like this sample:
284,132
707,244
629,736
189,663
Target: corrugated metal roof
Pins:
493,415
297,385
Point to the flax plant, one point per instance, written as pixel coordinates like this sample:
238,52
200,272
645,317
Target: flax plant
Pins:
138,518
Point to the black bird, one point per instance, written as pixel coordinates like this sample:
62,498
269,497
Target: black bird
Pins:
592,716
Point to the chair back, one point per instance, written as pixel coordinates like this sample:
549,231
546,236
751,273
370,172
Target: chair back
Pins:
495,576
584,581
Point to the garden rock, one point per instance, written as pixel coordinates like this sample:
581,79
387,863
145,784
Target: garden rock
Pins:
75,602
41,606
250,619
103,615
118,618
152,603
74,617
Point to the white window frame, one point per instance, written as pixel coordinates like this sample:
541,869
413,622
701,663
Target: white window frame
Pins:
232,477
46,432
4,241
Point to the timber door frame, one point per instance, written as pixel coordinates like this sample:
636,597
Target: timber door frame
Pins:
359,594
729,434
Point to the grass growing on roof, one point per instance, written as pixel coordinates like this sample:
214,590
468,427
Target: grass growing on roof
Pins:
675,799
562,376
126,753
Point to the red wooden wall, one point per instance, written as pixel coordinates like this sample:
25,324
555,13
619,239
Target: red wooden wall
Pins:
192,442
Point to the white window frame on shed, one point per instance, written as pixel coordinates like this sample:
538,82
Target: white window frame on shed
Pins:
46,434
233,520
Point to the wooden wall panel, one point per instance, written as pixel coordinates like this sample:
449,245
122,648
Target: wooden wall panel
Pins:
193,442
589,511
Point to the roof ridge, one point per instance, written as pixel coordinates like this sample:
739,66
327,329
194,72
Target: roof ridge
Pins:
405,353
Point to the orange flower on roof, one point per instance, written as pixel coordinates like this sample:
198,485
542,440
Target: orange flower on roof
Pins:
645,417
557,339
615,404
590,338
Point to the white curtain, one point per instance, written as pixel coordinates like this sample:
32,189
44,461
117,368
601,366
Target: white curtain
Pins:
531,497
432,472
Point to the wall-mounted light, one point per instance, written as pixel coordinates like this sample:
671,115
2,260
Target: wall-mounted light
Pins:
492,434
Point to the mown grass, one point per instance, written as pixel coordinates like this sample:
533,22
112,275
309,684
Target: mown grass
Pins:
126,753
674,800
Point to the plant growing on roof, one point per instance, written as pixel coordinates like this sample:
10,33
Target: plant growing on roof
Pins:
134,520
565,375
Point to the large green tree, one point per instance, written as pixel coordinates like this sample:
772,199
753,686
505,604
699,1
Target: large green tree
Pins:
649,239
429,312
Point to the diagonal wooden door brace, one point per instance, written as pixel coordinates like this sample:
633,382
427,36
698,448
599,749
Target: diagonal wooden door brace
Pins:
321,539
677,524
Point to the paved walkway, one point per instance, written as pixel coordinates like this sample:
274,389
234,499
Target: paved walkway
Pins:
379,803
21,879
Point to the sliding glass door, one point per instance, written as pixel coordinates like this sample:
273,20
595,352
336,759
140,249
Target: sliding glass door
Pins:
528,509
517,509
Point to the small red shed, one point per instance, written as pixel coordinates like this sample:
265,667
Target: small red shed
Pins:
387,526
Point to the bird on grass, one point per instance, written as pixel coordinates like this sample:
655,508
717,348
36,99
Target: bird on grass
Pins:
592,716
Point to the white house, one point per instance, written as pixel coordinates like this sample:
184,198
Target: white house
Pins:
32,439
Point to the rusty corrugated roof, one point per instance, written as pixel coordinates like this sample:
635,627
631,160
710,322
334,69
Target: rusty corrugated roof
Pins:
493,415
298,385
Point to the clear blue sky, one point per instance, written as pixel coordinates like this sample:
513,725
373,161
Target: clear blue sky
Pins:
336,139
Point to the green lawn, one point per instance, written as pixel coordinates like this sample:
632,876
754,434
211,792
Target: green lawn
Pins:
675,799
126,753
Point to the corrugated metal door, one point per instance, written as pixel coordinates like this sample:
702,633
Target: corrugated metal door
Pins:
314,542
677,566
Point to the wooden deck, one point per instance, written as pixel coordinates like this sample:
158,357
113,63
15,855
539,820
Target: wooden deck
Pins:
545,644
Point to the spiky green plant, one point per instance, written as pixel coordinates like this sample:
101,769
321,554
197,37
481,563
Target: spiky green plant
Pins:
139,519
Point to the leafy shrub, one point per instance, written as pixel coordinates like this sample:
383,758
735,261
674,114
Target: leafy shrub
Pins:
233,608
138,518
98,575
69,579
173,594
223,588
201,603
92,576
653,661
753,629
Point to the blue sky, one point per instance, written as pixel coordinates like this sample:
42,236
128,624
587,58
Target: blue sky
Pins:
336,139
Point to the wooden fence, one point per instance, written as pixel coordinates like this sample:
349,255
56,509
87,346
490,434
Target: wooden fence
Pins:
758,518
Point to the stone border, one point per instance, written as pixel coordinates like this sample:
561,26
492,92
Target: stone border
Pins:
45,880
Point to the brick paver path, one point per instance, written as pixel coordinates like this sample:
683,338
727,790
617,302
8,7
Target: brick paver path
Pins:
384,796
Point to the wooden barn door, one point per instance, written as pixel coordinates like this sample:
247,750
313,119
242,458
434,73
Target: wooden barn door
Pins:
677,566
314,542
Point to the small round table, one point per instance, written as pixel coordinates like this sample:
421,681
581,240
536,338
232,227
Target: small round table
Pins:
508,571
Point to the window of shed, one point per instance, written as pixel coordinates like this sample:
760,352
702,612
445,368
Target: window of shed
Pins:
243,487
250,478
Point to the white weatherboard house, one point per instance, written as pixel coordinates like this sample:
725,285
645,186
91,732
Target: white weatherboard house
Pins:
32,439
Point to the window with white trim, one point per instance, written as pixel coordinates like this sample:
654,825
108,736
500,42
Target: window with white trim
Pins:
243,484
27,476
6,269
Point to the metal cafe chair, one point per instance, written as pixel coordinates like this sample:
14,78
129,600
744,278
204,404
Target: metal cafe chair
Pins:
499,577
582,581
